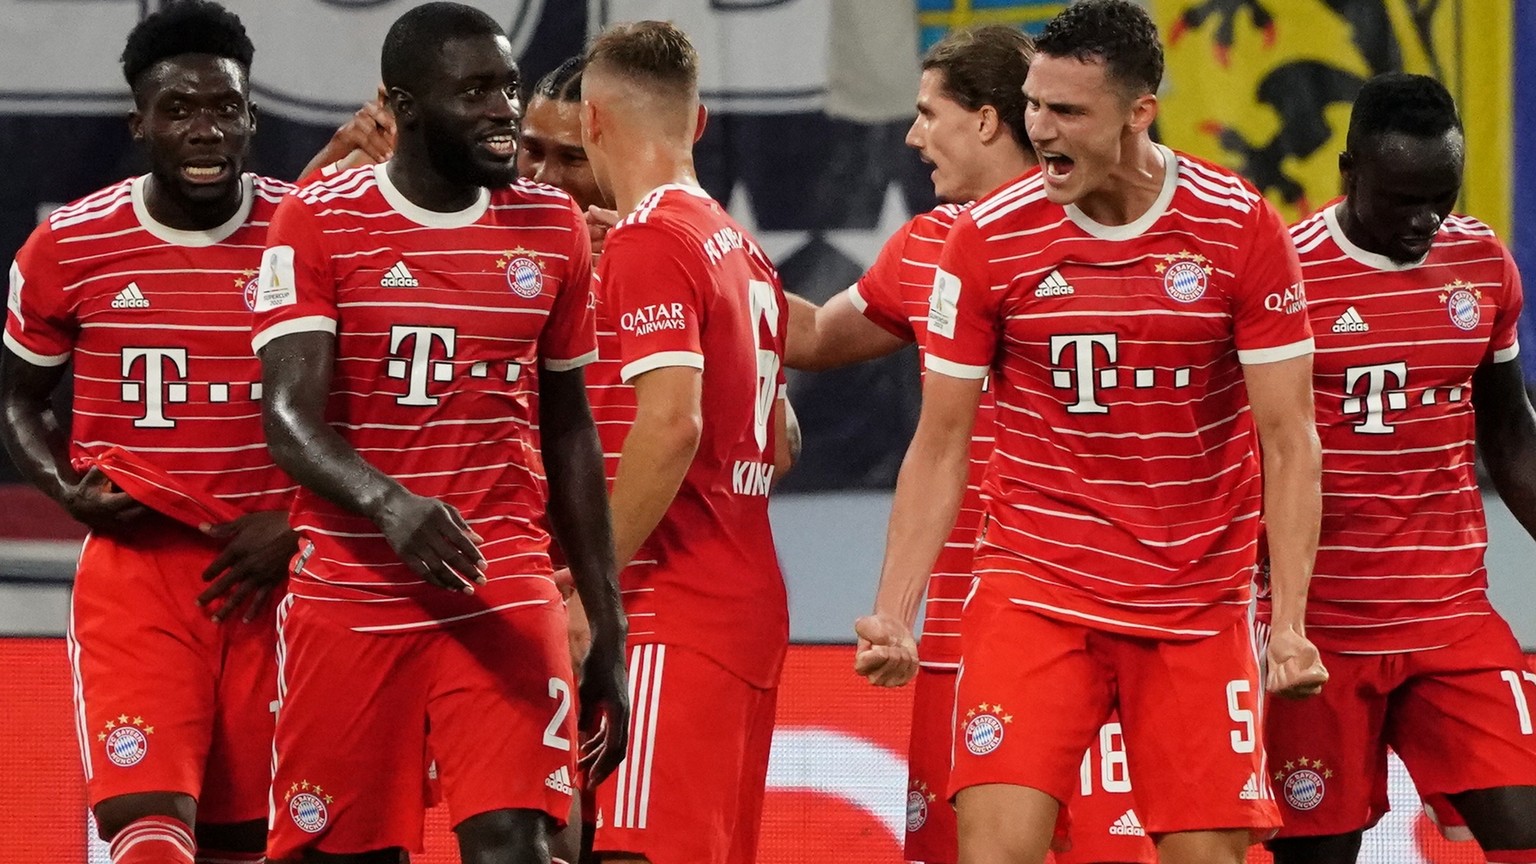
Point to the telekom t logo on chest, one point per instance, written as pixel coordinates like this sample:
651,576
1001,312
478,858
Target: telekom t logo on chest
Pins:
151,385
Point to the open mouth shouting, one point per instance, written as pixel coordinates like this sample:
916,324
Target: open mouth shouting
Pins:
205,171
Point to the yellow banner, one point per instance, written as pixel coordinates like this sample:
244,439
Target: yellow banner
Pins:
1265,86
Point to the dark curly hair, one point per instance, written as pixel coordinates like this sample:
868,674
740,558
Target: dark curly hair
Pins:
416,39
563,83
185,27
986,66
1118,33
1415,105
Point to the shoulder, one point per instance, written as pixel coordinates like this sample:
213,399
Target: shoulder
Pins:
1022,200
935,223
351,184
86,215
1215,187
1460,227
529,193
267,193
1310,232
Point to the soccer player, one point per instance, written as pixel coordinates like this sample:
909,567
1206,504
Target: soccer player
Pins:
970,127
1414,310
141,291
701,322
1141,317
399,309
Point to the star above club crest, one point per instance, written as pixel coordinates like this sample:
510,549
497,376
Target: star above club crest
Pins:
777,245
863,245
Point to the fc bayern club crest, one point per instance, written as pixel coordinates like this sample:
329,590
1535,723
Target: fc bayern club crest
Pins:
984,728
1305,782
525,275
918,799
1185,275
306,806
246,282
126,740
1463,302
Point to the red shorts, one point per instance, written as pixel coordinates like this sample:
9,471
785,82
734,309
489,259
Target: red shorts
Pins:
1033,693
690,791
491,696
1099,824
1460,717
165,699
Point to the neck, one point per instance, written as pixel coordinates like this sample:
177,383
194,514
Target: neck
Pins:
176,212
1349,223
412,172
647,165
1006,164
1131,187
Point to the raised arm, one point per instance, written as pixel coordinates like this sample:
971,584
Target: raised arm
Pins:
834,335
1281,397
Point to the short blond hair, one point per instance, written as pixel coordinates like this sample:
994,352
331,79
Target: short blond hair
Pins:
654,53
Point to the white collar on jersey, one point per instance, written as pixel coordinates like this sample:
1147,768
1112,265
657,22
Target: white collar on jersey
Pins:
422,216
695,191
178,237
1136,228
1369,259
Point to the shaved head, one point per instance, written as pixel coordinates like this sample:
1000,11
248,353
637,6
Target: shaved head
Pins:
645,72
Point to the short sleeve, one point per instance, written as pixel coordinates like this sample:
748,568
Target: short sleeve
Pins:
1505,344
654,295
296,286
877,294
39,320
963,328
569,340
1269,300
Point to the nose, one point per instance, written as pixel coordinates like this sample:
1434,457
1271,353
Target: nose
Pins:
205,128
502,106
915,135
1425,222
548,173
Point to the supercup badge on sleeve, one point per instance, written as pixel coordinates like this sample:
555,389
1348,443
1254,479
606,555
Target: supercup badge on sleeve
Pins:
525,275
13,297
274,282
126,740
943,303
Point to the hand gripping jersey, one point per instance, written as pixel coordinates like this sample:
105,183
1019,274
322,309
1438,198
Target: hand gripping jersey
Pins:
439,319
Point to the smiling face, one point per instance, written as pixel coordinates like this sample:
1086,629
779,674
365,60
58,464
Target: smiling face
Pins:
550,151
1079,122
468,110
1398,189
195,117
949,137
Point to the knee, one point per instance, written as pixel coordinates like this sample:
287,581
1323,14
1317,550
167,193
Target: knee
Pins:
117,813
1204,847
504,835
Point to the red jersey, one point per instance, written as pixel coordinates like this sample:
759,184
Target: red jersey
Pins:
437,317
894,294
1124,492
1400,556
155,319
686,286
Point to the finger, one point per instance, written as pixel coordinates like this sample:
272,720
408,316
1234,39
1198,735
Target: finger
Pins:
219,587
470,566
259,601
458,519
242,590
435,571
221,562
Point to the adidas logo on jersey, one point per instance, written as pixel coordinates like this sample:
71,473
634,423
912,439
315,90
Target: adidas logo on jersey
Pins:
1128,826
1053,286
1250,789
130,298
559,780
1350,322
399,277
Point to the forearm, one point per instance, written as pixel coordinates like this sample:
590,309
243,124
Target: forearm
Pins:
320,460
1292,511
39,447
929,491
1510,454
654,462
578,514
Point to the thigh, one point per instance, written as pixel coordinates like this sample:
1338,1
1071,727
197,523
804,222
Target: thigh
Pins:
239,767
930,817
1029,698
754,777
676,796
1211,774
1327,754
1464,717
1104,824
144,666
502,714
351,737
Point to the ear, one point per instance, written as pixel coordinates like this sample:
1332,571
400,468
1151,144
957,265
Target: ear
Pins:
1143,112
402,105
700,122
250,108
135,123
1346,171
988,124
591,127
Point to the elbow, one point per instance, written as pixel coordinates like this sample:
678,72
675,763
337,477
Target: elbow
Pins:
282,440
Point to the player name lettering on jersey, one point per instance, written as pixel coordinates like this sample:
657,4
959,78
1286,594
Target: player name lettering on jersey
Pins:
724,240
751,478
1400,553
154,320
